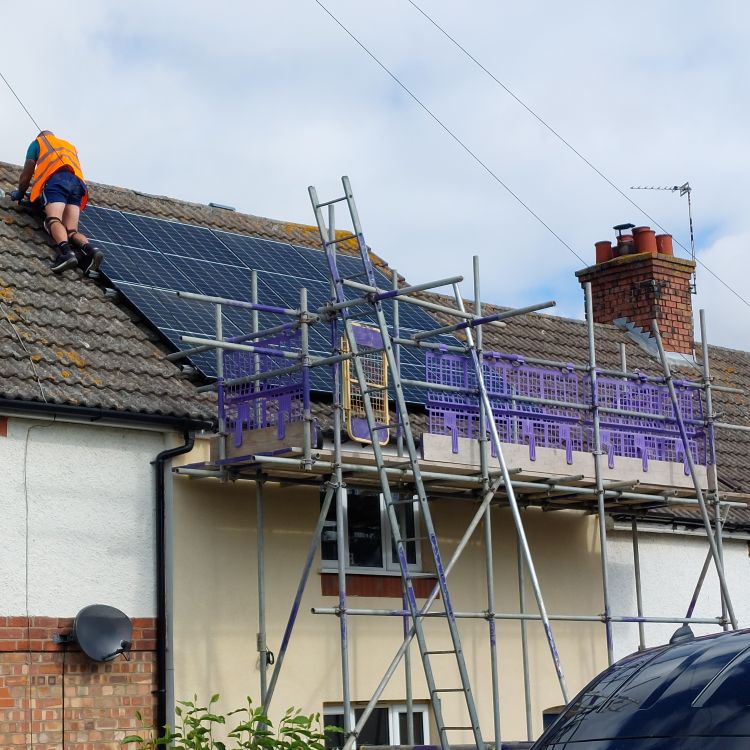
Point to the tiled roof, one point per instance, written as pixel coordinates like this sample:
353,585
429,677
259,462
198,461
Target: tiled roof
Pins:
565,340
78,339
63,342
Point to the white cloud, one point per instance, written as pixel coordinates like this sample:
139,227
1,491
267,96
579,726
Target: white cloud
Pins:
726,316
247,103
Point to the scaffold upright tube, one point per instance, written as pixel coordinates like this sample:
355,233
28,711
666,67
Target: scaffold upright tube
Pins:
598,474
314,544
515,510
696,482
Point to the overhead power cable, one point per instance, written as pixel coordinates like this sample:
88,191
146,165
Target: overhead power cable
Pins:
566,143
18,99
450,132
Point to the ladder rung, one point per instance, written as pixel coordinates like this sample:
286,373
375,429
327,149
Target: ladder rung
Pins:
448,690
414,538
403,502
341,239
449,651
376,389
457,729
330,203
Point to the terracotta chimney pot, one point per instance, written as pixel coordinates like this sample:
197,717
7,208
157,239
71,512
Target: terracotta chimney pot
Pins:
603,251
645,240
664,244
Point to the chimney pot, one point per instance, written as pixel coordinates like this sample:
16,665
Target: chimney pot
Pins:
603,251
644,239
644,285
664,244
624,245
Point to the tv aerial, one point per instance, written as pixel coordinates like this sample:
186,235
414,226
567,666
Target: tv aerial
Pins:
102,632
683,189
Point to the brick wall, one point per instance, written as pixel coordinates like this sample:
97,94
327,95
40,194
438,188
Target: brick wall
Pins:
99,699
642,287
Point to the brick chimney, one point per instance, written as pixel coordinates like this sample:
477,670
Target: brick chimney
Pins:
640,279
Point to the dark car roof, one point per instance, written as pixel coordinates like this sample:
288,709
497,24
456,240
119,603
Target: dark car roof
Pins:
694,689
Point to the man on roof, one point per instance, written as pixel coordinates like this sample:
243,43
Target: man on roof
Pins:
53,171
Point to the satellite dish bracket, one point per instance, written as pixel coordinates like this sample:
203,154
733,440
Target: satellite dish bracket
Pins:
64,639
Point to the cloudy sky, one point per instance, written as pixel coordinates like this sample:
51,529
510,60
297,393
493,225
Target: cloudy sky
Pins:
248,103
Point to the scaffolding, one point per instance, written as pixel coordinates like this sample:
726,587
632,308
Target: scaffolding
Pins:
267,433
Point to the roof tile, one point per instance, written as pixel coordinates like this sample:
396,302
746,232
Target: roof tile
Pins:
68,326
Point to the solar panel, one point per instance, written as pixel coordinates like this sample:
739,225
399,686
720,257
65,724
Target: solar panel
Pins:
108,225
149,259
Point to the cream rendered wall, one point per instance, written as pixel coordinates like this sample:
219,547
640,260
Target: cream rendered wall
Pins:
670,566
79,500
216,606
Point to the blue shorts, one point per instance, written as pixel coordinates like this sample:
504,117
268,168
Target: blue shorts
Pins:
63,187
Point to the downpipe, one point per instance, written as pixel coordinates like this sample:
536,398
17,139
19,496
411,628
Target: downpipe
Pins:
161,574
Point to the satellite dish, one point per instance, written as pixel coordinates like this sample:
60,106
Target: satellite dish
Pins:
103,632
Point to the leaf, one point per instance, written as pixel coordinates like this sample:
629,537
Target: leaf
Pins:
165,740
132,738
214,717
214,698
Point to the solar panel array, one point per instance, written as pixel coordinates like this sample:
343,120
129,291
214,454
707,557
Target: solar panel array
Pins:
148,259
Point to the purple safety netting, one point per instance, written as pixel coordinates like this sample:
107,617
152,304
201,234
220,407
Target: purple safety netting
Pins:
647,437
275,401
511,384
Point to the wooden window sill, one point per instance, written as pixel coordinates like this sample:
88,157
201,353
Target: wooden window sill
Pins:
374,585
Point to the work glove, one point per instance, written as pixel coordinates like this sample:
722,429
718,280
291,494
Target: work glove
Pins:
16,195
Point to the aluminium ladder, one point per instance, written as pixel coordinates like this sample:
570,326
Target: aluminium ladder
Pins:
329,241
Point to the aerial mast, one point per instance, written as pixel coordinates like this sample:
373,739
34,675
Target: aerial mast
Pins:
683,189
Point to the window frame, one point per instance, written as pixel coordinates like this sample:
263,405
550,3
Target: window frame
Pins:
394,728
389,566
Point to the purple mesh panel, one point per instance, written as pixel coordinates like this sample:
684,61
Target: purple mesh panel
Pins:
647,437
509,379
367,338
275,401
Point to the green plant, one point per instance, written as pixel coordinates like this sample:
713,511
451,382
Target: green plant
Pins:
295,731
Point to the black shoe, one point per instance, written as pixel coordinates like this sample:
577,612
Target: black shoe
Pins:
63,261
93,263
90,259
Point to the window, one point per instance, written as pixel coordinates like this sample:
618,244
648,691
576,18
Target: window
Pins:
386,725
368,542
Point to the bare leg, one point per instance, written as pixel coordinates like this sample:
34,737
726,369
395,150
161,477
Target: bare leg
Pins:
56,229
89,256
70,216
64,257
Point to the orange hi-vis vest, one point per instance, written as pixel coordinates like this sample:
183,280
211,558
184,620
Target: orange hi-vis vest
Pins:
54,154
